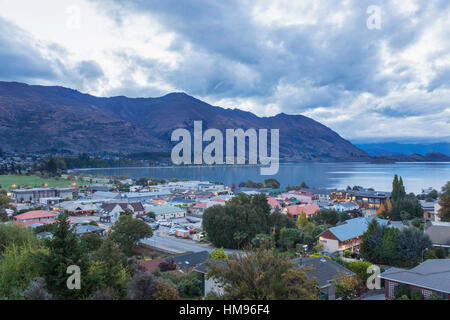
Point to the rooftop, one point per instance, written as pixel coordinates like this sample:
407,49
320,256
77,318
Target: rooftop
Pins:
39,214
432,274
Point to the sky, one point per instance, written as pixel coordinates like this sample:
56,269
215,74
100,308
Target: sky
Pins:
373,71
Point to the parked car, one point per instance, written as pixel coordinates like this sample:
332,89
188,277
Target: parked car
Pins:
193,231
191,220
154,226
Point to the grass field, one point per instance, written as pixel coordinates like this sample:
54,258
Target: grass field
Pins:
6,182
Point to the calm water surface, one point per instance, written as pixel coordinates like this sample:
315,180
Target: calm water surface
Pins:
320,175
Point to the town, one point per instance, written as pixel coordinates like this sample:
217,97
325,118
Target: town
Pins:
187,239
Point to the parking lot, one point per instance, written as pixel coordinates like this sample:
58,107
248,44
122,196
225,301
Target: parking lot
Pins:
180,223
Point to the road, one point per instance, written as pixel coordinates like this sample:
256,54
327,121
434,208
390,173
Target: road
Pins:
171,244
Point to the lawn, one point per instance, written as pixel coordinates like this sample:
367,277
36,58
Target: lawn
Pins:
6,182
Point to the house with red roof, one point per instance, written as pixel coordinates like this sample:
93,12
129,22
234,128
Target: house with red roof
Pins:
273,203
296,210
38,216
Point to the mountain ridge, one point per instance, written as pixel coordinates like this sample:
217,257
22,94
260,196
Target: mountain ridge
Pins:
34,118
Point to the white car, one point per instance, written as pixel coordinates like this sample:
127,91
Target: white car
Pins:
172,232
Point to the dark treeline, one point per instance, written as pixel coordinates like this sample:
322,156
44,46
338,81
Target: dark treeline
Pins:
53,164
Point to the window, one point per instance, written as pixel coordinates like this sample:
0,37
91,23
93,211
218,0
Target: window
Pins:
426,293
391,287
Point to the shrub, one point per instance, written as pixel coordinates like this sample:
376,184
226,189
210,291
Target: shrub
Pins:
402,289
434,296
360,268
417,296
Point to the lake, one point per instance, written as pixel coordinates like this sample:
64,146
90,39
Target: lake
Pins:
320,175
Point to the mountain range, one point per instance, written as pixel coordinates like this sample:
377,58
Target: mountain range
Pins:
402,148
42,118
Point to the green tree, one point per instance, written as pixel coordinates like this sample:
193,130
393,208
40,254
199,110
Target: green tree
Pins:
65,250
330,217
386,250
263,240
410,245
262,275
272,183
13,234
4,201
370,240
218,254
290,237
127,232
238,222
360,269
18,267
91,241
303,185
108,269
408,205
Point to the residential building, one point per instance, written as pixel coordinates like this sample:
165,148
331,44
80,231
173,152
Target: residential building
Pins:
428,209
273,203
296,210
187,262
367,199
79,230
345,206
347,236
209,285
430,277
78,208
35,194
31,217
324,271
111,211
439,233
166,212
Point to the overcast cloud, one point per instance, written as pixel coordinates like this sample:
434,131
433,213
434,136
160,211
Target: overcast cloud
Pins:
316,58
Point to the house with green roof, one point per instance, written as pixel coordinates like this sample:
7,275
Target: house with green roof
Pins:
166,212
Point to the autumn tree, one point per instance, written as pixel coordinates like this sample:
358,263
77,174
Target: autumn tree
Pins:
262,274
346,286
165,292
444,211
